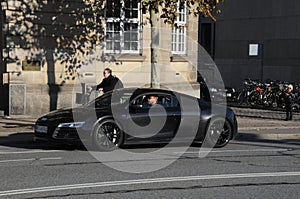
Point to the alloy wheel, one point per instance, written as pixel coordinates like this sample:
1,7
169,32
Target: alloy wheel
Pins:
219,132
107,135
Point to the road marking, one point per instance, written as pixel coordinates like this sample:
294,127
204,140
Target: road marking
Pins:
30,159
145,181
51,158
17,160
232,151
31,151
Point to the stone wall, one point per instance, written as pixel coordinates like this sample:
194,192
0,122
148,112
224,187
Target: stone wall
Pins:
45,86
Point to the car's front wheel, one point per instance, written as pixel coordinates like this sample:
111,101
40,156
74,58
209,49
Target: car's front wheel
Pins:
107,135
219,132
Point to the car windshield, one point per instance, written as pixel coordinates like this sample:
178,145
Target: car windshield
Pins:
110,98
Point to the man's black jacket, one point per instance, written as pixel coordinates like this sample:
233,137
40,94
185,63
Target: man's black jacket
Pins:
109,83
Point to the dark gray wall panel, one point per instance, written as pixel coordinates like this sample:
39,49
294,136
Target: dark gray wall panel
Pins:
275,24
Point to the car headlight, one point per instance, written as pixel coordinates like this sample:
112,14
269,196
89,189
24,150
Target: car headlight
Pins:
71,125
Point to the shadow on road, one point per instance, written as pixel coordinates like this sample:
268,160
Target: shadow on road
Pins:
25,140
261,117
256,138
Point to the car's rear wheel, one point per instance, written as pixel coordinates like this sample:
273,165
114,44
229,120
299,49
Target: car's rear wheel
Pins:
219,132
107,135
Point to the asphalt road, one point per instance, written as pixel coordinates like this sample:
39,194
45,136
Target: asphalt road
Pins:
246,168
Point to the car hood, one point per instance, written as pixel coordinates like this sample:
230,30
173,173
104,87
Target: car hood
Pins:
64,114
73,114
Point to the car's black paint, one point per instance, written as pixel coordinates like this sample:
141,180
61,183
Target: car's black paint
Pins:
105,108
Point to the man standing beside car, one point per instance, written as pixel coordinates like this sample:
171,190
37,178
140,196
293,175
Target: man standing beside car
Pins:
108,83
288,98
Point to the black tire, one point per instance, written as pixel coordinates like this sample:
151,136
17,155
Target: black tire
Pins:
242,98
295,107
107,135
254,98
219,133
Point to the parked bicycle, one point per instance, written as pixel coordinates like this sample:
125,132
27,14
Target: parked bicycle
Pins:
249,88
269,94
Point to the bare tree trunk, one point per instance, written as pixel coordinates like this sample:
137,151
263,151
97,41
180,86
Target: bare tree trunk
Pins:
54,89
155,67
4,87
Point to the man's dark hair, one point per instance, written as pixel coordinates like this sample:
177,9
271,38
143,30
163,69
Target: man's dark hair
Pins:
152,95
108,70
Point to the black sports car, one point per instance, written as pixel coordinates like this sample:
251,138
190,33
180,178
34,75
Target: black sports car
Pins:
125,116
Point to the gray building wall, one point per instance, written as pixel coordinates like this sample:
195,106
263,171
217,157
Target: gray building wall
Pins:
274,24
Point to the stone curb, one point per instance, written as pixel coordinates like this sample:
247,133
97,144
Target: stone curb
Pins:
267,128
267,136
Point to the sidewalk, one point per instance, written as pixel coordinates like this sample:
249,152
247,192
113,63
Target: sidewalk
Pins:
16,125
259,124
264,119
264,113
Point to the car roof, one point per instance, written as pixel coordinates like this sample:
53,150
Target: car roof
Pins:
138,91
143,90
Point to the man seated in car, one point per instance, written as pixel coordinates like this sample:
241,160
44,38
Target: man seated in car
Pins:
152,100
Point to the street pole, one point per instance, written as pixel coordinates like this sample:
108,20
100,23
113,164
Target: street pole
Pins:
155,67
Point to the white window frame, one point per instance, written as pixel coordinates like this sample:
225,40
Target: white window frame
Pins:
123,20
179,33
